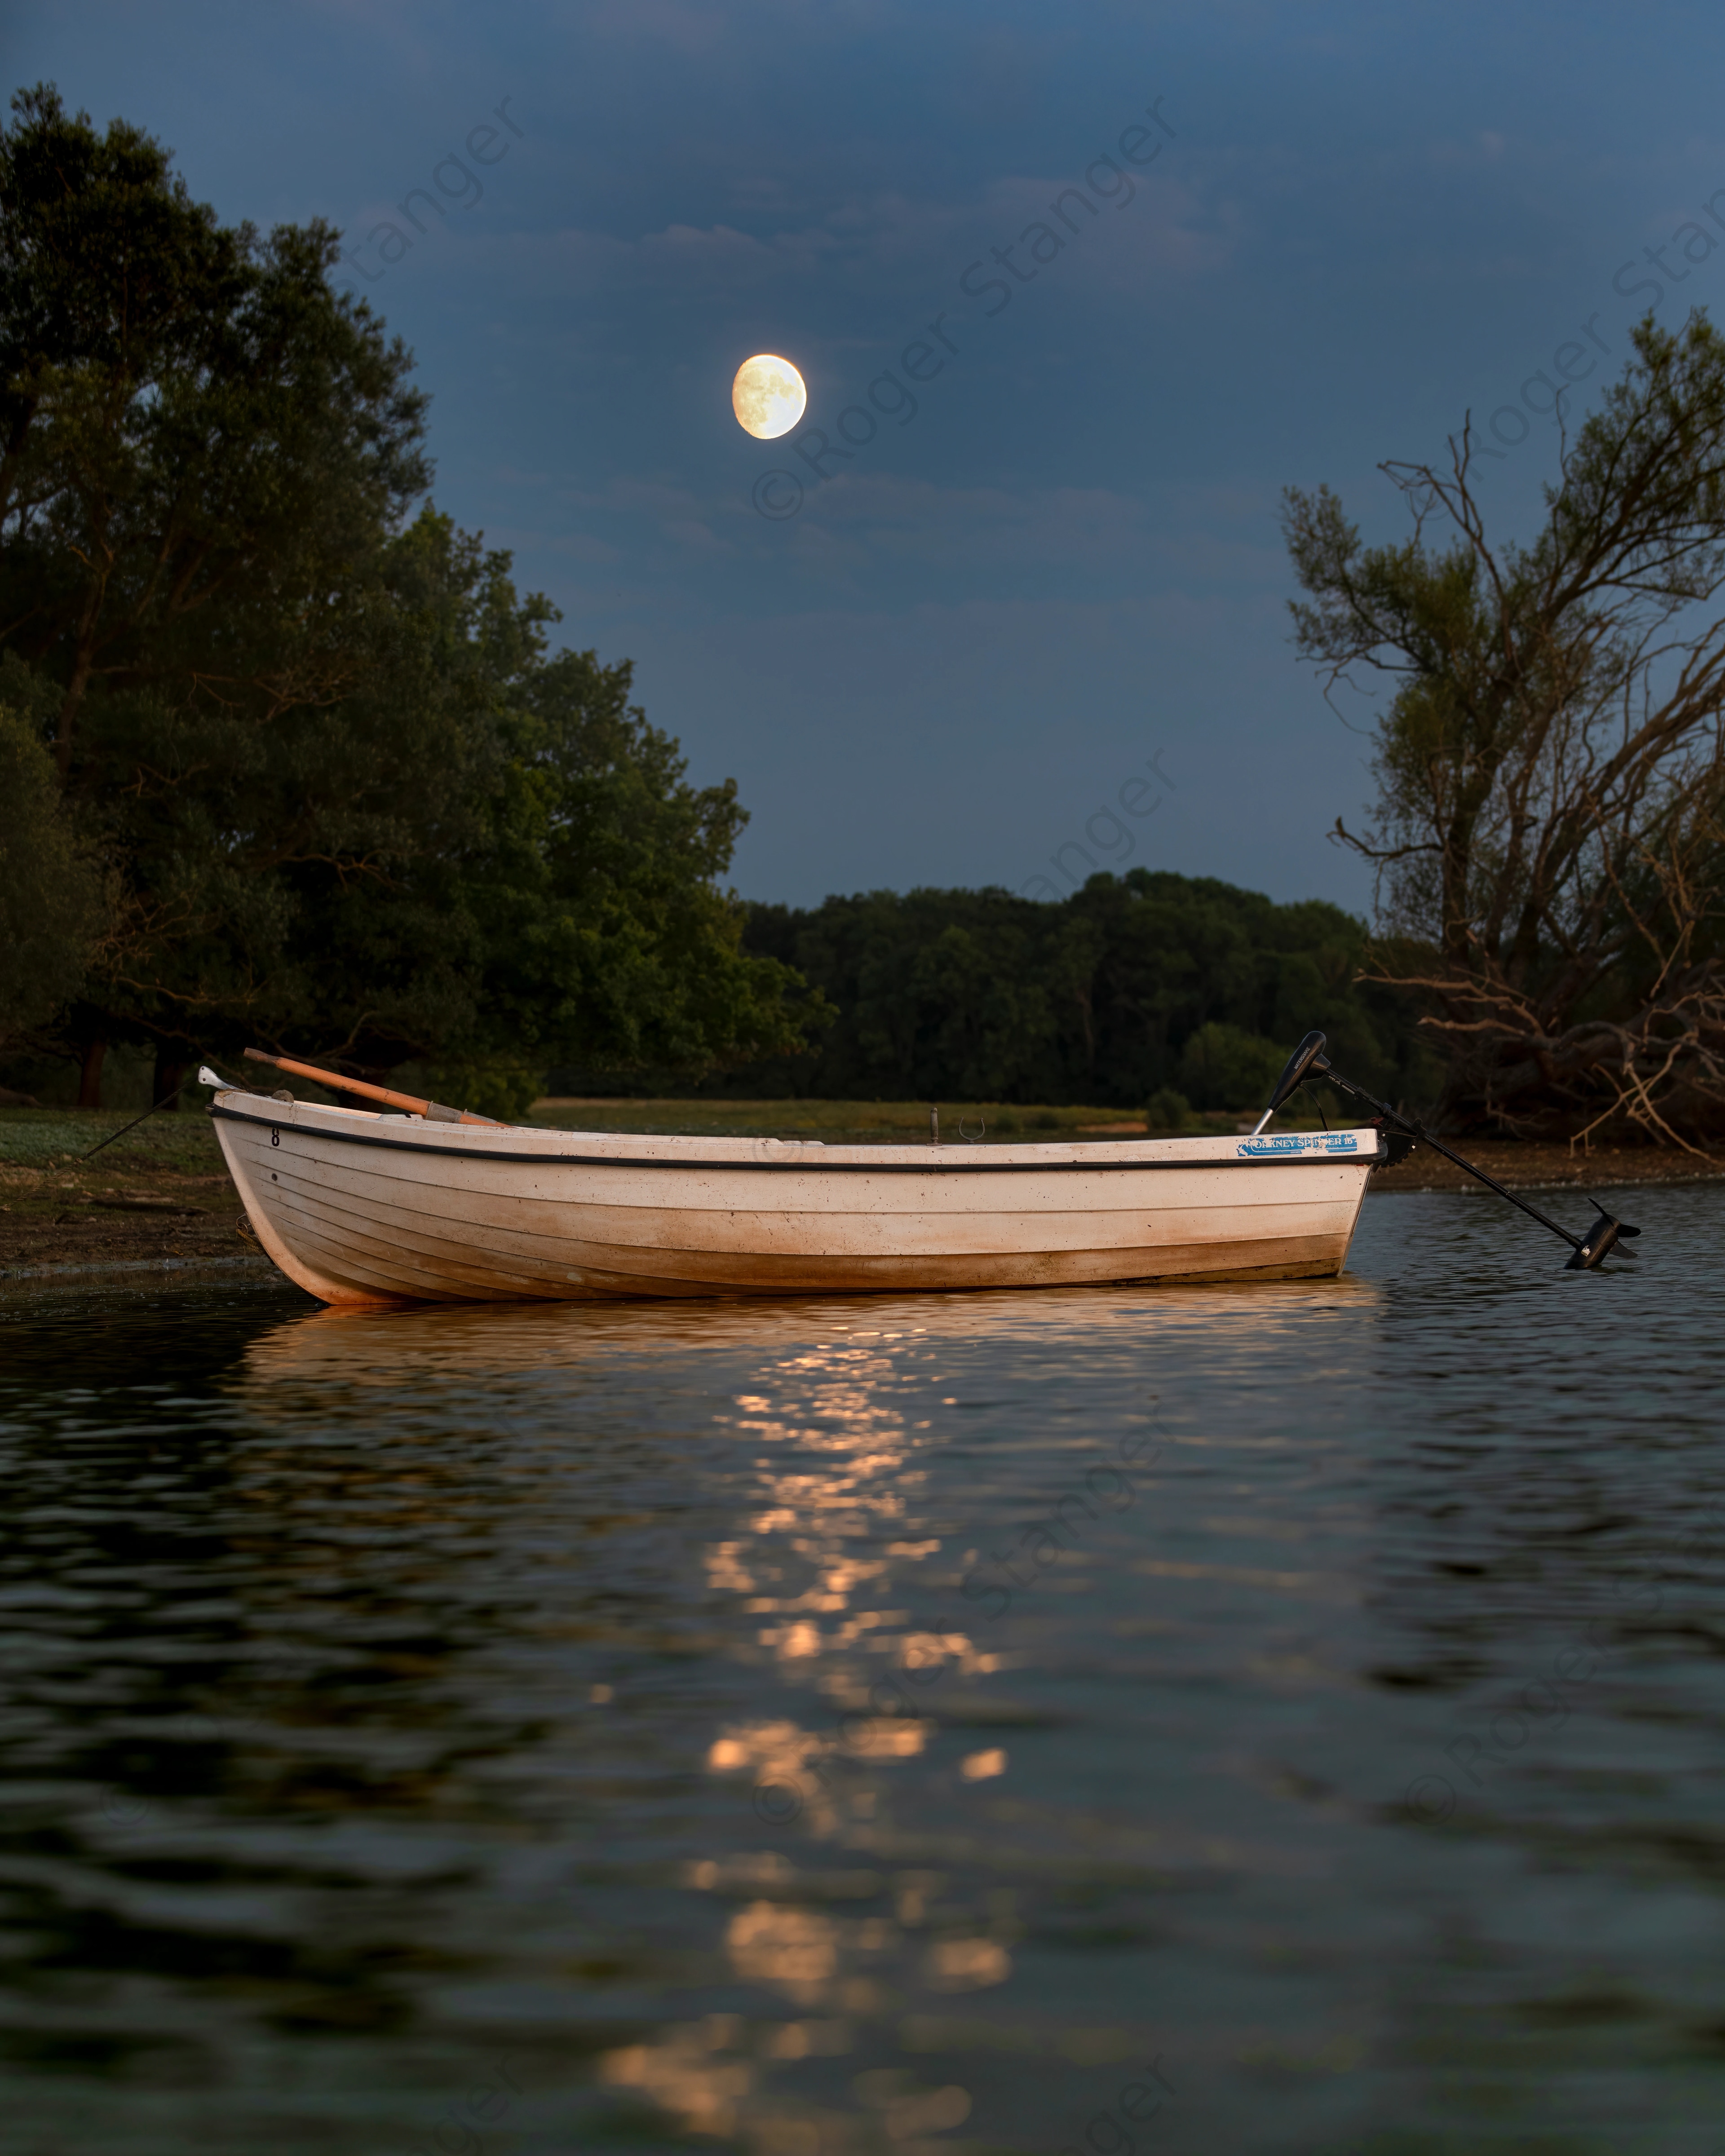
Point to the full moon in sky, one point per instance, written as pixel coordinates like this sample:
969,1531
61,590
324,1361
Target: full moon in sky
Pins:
767,396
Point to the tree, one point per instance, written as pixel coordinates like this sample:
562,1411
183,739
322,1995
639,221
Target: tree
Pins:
1223,1066
944,994
202,453
481,859
298,882
201,443
51,894
1547,829
603,934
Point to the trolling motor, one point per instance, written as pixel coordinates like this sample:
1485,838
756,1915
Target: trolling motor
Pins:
1308,1061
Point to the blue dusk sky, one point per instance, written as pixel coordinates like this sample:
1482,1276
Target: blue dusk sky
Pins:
1045,585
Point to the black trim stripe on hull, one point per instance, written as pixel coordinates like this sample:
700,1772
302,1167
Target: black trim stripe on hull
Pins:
959,1167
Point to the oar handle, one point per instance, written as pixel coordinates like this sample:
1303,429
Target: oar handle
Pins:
433,1110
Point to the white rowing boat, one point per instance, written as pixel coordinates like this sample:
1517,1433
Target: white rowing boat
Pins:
361,1208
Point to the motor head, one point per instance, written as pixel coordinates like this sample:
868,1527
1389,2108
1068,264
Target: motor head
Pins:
1307,1061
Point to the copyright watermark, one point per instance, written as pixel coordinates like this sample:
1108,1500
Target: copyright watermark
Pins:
778,1800
457,187
1431,1798
1542,1705
1137,2102
1113,840
776,494
1571,362
124,1807
776,1803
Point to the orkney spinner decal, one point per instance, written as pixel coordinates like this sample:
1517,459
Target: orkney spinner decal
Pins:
1295,1142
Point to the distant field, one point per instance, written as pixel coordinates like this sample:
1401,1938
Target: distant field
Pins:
37,1138
882,1122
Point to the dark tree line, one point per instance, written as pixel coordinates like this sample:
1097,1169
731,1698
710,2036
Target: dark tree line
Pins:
1137,986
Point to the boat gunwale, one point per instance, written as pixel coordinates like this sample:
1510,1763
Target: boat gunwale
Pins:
956,1163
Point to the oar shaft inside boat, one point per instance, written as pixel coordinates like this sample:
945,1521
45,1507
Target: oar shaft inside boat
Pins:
433,1110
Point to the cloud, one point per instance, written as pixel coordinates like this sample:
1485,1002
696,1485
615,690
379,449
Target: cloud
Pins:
876,259
1187,536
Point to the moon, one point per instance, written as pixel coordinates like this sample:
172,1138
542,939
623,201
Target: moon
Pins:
767,396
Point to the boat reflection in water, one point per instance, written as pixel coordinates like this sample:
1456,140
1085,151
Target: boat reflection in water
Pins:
779,1502
385,1345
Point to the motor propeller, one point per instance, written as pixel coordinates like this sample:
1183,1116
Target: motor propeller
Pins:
1309,1061
1598,1239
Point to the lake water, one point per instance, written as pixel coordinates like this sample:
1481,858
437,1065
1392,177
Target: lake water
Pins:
1271,1718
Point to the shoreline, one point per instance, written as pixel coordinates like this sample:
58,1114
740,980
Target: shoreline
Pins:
1530,1164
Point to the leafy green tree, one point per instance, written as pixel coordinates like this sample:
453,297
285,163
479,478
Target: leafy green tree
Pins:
1550,767
203,453
944,995
603,931
202,444
1224,1067
482,858
51,894
1167,1111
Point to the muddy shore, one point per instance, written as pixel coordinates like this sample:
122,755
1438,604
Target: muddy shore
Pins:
164,1215
157,1193
1520,1166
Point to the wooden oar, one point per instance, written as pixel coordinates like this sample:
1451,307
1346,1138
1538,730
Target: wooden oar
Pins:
433,1110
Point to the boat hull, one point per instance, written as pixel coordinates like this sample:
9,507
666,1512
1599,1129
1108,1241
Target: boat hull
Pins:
361,1209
